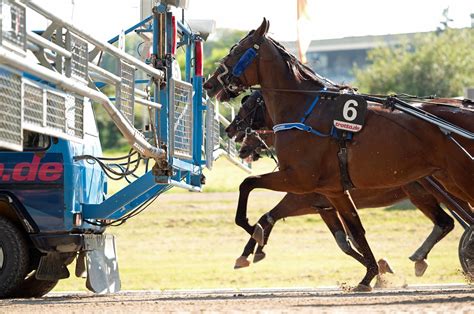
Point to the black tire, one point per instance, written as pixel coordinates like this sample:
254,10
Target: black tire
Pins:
14,257
466,252
33,288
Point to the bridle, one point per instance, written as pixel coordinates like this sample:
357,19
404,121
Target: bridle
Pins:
245,123
229,77
263,145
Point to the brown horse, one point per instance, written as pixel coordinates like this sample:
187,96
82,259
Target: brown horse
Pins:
250,117
392,149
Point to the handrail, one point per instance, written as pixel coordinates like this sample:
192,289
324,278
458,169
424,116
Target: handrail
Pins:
41,41
157,74
132,135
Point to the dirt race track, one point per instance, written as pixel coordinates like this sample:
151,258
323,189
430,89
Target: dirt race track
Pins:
414,299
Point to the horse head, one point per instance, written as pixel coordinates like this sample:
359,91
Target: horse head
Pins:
251,147
255,143
251,115
238,70
251,118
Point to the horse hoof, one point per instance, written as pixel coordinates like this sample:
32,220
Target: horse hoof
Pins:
258,257
384,266
241,262
258,234
362,288
420,267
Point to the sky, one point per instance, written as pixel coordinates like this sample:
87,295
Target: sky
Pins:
330,19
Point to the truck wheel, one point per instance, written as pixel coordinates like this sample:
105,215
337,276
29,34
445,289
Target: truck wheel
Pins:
33,288
466,252
14,257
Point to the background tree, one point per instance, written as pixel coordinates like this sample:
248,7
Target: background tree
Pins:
433,64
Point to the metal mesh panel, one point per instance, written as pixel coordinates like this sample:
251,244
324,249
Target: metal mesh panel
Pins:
13,31
216,133
231,148
80,57
10,108
55,111
75,116
33,104
125,94
209,134
79,117
182,119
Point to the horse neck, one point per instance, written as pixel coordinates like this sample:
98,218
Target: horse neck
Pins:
281,90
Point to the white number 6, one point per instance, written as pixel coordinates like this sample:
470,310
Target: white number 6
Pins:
350,113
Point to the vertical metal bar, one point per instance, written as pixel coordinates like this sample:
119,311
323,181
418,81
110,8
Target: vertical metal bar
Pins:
169,36
188,57
197,123
162,92
155,33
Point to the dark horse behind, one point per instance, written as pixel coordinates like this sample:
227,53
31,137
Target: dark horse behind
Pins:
252,126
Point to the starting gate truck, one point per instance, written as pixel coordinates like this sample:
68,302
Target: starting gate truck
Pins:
54,206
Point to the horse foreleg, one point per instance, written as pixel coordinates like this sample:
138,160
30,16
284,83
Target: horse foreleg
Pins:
348,212
291,205
249,248
276,181
443,223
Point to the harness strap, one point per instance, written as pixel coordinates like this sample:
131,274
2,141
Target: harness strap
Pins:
297,126
343,161
311,108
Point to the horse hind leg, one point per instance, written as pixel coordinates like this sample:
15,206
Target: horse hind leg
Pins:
460,168
290,206
443,223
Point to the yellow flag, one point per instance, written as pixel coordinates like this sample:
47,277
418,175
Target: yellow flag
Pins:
303,25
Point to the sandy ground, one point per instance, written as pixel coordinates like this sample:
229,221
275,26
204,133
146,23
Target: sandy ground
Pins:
416,299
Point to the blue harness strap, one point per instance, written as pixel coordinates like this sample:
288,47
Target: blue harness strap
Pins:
301,125
297,126
311,108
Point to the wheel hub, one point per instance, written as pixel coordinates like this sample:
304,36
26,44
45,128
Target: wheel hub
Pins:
1,257
466,251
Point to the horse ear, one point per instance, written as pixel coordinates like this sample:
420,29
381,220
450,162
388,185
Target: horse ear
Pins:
262,29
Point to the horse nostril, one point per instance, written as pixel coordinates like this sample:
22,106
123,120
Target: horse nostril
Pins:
244,152
207,85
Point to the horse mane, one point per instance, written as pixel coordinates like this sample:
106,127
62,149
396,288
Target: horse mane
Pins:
303,72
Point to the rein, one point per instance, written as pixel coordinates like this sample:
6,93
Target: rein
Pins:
264,132
257,135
